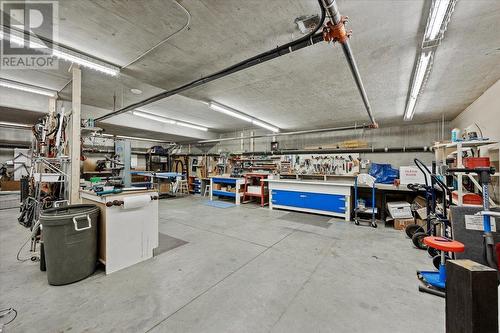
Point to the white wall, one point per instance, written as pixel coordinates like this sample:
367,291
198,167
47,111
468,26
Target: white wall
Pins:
420,135
485,112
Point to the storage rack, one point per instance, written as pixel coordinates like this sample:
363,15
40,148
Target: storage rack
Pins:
235,183
443,150
157,162
256,180
194,184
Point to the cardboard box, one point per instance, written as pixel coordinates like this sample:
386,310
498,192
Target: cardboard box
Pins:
10,185
399,210
217,186
165,187
400,224
254,189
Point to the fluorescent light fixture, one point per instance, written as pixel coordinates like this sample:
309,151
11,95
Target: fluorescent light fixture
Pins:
140,139
234,113
264,125
131,138
153,117
418,79
230,112
436,19
165,120
26,87
8,124
63,53
201,128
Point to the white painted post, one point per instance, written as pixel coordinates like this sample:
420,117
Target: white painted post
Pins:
75,134
52,109
252,142
459,174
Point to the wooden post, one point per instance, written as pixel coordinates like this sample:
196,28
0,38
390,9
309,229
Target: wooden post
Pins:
74,143
471,297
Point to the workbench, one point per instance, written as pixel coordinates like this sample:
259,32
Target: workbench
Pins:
235,183
157,178
311,196
127,234
385,191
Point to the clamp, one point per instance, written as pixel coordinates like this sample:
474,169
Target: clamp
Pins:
336,32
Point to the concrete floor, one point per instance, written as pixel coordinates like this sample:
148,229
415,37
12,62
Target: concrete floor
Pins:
243,270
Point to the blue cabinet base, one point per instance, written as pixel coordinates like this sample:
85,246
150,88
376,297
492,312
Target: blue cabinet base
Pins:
320,203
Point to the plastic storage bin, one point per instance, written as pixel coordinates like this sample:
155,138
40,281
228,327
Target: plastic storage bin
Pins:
70,242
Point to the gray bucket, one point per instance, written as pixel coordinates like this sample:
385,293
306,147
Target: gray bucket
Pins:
70,242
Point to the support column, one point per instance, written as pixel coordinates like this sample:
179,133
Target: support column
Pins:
74,143
52,108
252,141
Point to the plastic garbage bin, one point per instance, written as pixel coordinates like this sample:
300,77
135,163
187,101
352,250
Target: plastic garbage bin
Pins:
70,242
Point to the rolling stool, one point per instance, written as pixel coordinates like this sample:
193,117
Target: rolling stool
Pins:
435,282
207,190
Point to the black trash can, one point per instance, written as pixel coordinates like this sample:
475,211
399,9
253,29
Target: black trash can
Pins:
70,242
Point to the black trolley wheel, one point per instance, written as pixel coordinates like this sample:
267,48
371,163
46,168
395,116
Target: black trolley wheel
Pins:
433,252
418,240
436,261
413,229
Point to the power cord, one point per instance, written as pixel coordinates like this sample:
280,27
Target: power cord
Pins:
6,312
32,257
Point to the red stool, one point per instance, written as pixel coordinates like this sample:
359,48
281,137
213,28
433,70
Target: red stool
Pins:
437,279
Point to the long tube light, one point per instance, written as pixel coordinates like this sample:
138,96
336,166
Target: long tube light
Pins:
437,19
437,22
266,126
230,112
236,114
165,120
26,87
153,117
131,138
14,125
423,68
200,128
62,53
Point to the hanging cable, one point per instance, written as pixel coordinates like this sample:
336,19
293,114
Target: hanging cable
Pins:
165,39
313,37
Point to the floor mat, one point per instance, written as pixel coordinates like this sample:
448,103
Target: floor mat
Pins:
167,243
219,204
306,218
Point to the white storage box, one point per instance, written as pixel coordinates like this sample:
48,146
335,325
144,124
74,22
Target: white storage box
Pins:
253,189
399,210
412,175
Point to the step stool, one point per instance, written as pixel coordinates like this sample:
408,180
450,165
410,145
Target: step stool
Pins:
207,190
183,187
435,282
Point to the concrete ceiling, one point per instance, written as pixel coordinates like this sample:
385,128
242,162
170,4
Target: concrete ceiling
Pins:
310,88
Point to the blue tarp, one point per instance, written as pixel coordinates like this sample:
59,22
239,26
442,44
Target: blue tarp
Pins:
383,173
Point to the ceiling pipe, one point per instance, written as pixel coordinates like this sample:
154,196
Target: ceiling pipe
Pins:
341,151
319,130
424,149
310,39
334,13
